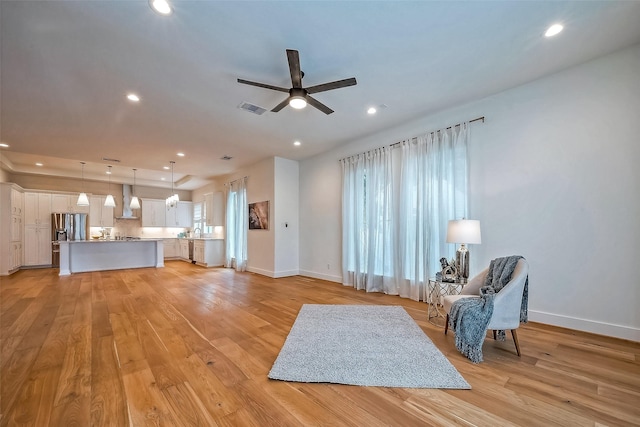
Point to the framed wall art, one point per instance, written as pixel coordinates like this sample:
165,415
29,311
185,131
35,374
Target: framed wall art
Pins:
259,216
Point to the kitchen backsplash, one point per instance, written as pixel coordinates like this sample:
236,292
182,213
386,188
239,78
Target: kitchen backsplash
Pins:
133,228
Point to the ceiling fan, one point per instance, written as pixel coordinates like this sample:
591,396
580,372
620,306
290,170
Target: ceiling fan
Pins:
299,96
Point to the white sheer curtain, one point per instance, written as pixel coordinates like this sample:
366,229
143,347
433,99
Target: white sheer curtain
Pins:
433,190
367,218
395,219
236,225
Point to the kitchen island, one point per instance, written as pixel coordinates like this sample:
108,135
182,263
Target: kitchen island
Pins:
97,255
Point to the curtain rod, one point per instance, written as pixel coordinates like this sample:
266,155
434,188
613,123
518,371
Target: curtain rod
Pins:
477,119
235,180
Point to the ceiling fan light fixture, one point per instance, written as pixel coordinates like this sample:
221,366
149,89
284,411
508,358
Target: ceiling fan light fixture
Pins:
297,102
553,30
161,6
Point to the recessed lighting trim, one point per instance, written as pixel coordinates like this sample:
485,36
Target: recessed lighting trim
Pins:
297,143
180,154
161,6
39,164
133,97
553,30
372,110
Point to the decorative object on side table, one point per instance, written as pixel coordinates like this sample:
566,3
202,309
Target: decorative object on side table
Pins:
465,232
448,273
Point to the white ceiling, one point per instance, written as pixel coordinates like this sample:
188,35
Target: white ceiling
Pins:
66,67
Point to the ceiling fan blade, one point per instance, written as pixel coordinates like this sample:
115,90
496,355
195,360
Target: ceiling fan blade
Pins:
319,105
247,82
333,85
281,105
294,68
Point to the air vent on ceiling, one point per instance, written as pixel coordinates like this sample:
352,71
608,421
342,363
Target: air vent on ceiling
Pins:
106,159
226,158
251,108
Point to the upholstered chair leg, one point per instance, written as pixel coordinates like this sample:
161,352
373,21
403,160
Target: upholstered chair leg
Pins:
446,325
515,340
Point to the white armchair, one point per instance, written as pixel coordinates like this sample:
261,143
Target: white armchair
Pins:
506,303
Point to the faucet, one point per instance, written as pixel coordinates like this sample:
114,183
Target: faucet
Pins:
197,234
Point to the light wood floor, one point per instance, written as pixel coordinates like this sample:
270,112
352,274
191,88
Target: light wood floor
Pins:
184,345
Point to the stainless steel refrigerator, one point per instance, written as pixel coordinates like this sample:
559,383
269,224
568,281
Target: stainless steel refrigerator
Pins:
67,226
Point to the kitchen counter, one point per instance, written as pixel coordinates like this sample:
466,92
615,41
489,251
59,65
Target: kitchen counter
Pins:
78,256
200,238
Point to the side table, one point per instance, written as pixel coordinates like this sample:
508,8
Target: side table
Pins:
436,290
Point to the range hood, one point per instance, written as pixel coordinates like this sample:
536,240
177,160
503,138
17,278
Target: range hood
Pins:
127,213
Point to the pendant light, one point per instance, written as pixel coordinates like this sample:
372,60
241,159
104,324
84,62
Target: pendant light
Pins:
135,203
83,200
109,202
173,199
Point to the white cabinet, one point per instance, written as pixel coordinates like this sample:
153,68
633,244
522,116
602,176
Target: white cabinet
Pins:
63,203
208,252
180,215
15,255
16,228
214,208
184,249
37,245
99,214
37,229
153,213
17,202
11,228
37,209
171,248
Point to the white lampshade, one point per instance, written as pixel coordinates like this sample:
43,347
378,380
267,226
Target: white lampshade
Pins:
83,200
109,202
135,203
465,231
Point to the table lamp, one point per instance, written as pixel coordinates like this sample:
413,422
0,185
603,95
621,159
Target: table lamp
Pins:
465,232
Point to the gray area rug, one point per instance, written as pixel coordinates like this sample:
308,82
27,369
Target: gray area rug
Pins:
366,345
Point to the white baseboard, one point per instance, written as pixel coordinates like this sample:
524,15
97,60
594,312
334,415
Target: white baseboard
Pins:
260,271
285,273
315,275
600,328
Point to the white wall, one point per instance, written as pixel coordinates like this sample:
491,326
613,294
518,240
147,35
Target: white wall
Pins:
272,252
554,177
285,219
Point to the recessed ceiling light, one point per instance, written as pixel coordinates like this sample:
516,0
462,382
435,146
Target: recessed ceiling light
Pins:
3,145
180,154
161,6
162,179
109,172
133,97
39,164
372,110
297,143
553,30
166,168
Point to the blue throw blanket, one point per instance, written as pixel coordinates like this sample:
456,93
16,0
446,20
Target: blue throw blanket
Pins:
469,317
